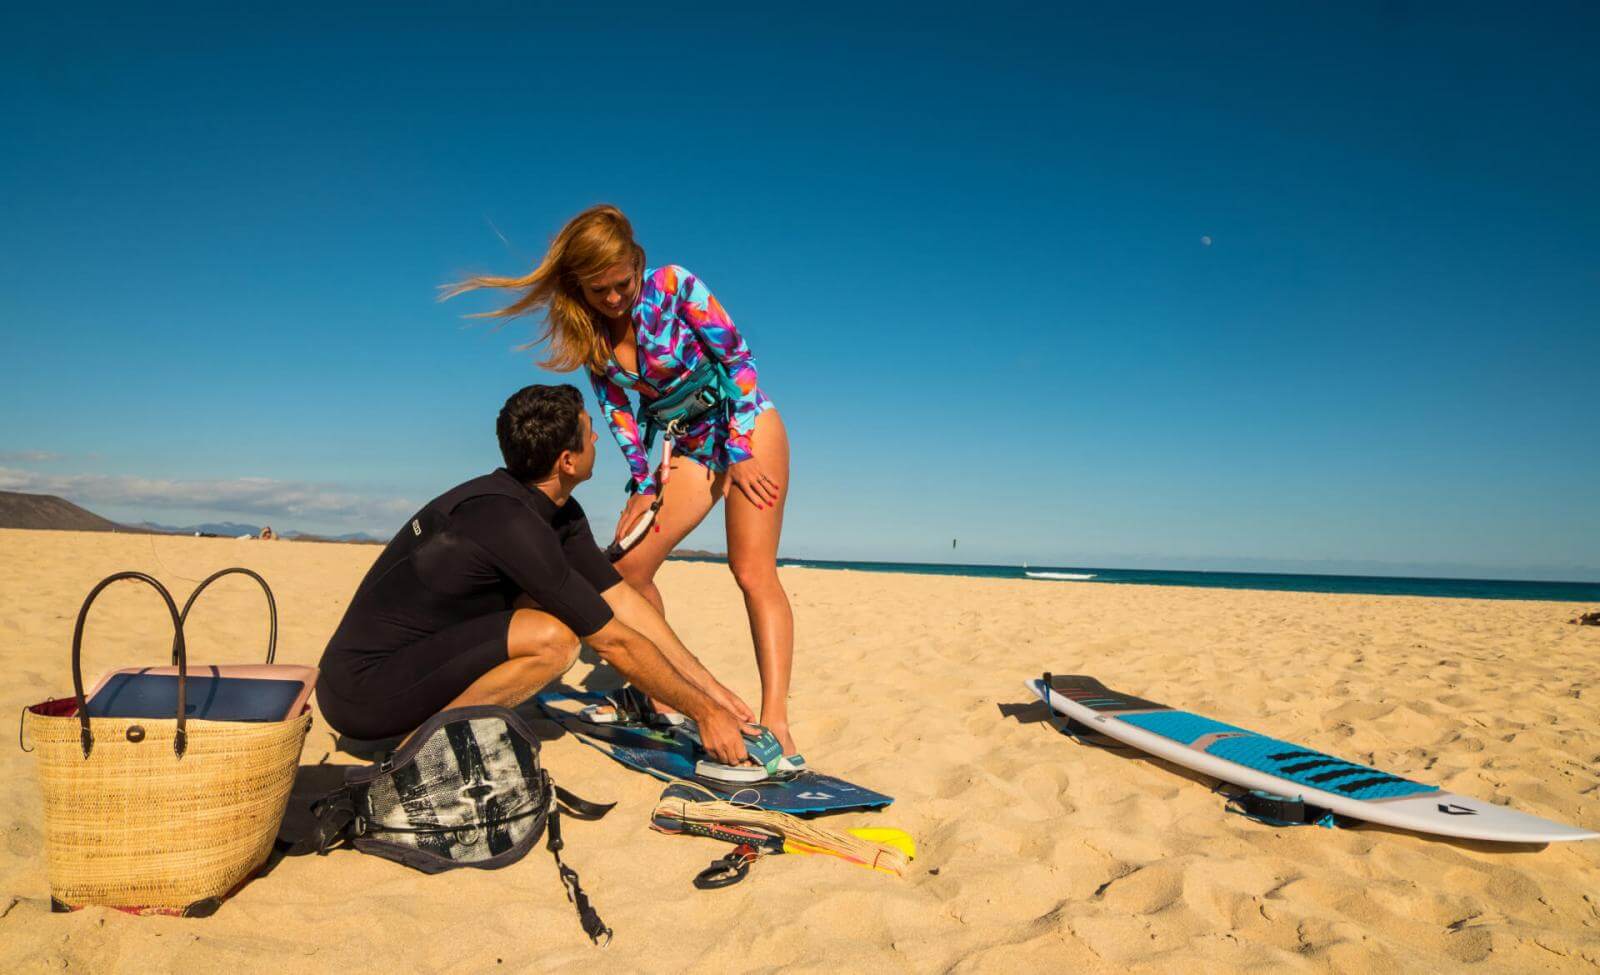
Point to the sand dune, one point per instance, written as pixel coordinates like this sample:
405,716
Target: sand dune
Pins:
1036,852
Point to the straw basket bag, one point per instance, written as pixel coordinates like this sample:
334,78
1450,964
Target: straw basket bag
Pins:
158,815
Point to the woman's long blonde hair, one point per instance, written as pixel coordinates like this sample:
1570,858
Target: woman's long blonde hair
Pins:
592,241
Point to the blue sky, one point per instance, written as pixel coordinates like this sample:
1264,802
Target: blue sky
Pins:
967,245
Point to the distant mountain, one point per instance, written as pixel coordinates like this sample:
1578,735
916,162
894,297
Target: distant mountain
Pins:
233,529
362,538
227,529
354,538
695,553
46,511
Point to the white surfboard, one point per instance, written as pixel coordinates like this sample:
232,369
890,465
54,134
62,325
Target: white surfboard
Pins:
1255,761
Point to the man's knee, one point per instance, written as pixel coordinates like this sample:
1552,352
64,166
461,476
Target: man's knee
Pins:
565,655
537,634
524,677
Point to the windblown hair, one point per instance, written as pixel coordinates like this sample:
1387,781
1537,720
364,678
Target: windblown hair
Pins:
536,425
590,242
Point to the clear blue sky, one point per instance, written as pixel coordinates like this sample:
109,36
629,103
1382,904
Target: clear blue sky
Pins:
965,243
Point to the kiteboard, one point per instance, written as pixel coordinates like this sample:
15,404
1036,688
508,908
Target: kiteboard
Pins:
672,754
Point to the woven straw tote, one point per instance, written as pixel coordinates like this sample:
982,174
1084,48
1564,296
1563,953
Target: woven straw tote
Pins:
158,815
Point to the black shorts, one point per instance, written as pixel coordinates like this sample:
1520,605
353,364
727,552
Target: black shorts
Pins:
369,696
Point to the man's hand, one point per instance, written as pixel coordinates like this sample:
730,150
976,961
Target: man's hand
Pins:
719,692
721,734
635,612
643,664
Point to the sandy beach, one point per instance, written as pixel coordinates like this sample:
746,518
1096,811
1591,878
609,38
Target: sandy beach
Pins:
1036,853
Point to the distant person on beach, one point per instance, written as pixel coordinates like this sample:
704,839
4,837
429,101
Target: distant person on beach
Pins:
483,596
660,333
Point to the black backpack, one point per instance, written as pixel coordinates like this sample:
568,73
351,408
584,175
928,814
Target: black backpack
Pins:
465,790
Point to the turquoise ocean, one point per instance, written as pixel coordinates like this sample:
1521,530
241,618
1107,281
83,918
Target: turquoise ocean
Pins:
1577,592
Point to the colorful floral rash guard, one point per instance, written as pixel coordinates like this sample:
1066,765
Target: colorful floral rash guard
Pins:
677,322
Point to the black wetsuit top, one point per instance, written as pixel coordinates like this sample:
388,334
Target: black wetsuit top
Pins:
432,614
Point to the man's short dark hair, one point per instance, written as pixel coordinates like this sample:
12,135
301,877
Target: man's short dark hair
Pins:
536,425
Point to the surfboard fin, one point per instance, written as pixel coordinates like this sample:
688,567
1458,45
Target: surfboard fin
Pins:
1274,810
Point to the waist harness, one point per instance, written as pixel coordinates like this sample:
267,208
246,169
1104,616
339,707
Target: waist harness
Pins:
465,790
703,392
706,390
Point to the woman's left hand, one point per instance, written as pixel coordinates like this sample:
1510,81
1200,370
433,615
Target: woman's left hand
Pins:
748,477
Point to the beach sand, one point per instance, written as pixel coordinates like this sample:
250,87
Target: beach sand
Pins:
1036,853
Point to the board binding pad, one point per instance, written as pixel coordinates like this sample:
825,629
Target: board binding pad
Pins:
1253,761
671,754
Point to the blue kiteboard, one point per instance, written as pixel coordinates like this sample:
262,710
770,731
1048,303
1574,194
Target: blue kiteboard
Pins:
670,754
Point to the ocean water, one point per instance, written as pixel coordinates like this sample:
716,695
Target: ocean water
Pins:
1577,592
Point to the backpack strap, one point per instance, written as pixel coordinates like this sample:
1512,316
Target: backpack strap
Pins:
335,816
597,930
581,808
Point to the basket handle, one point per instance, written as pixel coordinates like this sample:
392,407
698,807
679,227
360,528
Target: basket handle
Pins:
272,607
180,741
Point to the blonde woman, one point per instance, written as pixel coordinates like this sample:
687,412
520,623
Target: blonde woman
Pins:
661,334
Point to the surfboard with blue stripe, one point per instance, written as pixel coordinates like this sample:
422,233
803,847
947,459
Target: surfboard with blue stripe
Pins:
1246,758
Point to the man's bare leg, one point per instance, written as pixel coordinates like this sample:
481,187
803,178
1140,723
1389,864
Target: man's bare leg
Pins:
539,648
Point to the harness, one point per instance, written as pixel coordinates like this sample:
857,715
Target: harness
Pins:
705,391
466,790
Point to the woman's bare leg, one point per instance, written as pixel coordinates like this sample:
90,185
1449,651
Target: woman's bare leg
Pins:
753,557
689,495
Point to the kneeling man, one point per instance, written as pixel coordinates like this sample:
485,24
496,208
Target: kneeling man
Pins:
483,596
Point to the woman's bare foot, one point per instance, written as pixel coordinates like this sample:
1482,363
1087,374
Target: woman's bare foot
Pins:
781,732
